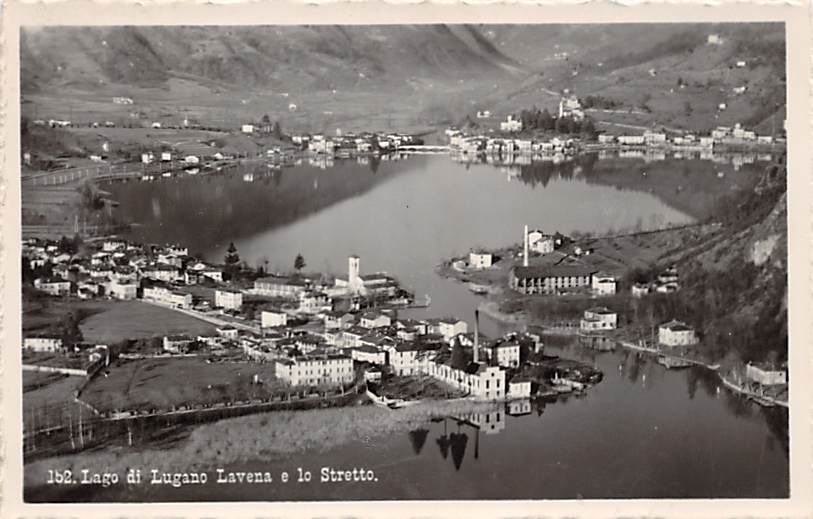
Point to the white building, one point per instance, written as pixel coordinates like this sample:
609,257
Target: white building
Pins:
375,320
640,290
766,376
166,156
191,159
227,331
599,319
280,286
167,296
329,369
408,358
603,284
369,354
247,128
161,272
519,387
53,286
654,138
511,125
271,319
122,290
480,260
228,299
676,333
631,140
571,107
478,380
540,242
448,327
313,302
505,352
176,343
42,344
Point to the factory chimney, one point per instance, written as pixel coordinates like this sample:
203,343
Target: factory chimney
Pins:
476,336
525,247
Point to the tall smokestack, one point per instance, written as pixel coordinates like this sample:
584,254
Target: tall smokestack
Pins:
525,247
477,336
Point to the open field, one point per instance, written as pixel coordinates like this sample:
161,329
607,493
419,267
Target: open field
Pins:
174,382
48,404
44,313
38,379
122,320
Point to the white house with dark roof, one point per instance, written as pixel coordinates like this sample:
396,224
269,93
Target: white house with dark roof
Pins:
676,333
375,320
599,319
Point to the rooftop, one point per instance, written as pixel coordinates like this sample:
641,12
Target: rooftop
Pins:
553,271
676,326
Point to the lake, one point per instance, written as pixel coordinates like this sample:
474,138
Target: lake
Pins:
642,432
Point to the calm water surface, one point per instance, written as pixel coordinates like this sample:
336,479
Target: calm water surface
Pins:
642,432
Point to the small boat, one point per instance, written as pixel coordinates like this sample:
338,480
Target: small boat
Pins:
673,362
478,289
765,402
398,404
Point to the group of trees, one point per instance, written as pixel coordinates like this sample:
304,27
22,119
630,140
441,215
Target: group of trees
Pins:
535,119
233,266
599,101
276,128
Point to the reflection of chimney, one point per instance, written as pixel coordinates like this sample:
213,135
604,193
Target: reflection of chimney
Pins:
525,248
476,336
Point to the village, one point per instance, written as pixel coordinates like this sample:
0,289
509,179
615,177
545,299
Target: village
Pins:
284,336
585,287
529,134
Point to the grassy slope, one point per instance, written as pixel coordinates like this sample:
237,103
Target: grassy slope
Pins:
164,383
136,320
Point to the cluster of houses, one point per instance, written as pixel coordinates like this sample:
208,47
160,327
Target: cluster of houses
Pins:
497,146
350,145
117,269
667,282
720,136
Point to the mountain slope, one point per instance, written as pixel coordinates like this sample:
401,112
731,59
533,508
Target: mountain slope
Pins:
320,57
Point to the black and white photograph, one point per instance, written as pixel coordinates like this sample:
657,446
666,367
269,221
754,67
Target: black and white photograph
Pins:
412,262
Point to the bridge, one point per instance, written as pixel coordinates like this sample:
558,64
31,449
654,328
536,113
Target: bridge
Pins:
423,148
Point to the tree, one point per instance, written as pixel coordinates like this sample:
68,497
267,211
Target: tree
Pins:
588,129
544,121
232,260
265,120
299,263
563,125
277,131
69,330
459,358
